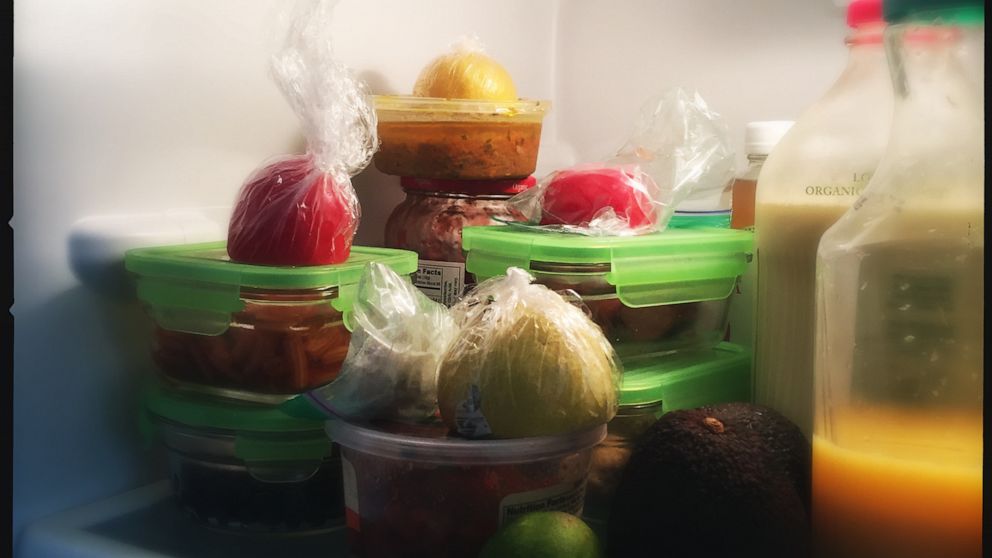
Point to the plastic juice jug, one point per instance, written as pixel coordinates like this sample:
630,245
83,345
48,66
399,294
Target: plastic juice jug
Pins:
814,174
897,445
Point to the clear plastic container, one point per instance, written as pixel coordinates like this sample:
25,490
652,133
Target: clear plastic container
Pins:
410,490
426,137
247,468
249,332
814,174
430,222
650,294
899,369
654,385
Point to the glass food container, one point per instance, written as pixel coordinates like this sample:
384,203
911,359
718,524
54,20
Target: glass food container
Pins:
245,467
426,137
250,332
899,368
650,387
410,490
430,222
650,294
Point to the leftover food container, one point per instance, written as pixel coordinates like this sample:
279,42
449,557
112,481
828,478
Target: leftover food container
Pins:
253,332
650,387
651,294
246,467
430,222
410,490
428,137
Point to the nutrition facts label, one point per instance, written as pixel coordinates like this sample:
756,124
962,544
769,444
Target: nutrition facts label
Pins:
442,282
566,497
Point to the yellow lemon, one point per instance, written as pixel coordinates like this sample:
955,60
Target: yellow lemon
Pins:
465,74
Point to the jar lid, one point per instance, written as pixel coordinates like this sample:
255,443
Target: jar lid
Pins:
476,187
685,380
932,11
196,287
668,267
762,136
260,432
864,12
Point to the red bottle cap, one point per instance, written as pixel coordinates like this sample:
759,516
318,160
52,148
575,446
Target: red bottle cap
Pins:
470,187
864,12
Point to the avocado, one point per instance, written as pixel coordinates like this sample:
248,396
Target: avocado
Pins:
722,481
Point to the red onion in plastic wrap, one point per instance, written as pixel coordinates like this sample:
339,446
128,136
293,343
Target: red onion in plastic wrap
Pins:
302,209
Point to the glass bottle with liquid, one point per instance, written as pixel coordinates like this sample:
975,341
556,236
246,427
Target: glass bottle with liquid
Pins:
897,445
815,173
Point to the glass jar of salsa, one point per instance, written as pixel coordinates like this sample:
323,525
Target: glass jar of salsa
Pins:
430,221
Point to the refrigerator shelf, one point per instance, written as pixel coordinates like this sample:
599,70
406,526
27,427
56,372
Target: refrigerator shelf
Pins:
145,523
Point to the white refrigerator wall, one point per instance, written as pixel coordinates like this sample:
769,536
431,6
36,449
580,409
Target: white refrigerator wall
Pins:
135,106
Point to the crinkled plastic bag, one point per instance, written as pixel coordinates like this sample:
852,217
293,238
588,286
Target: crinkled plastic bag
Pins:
679,147
391,369
465,72
525,363
302,209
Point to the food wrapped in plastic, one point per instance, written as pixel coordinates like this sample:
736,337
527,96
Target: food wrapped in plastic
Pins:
397,340
302,209
465,72
678,147
525,363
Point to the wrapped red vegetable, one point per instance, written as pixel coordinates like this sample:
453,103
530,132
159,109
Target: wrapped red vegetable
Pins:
678,148
302,209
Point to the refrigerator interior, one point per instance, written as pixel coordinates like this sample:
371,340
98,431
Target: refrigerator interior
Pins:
129,110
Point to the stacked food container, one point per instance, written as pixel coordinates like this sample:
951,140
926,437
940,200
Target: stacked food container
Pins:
231,342
661,299
460,161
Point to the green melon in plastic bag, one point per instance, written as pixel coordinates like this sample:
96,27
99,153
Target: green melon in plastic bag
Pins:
526,363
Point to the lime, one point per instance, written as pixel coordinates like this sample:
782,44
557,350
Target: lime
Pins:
544,534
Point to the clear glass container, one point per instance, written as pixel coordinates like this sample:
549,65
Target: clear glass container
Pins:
813,175
429,221
897,445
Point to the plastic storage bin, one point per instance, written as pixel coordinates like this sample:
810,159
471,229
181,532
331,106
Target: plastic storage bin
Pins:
416,492
430,222
427,137
250,332
650,294
246,467
651,387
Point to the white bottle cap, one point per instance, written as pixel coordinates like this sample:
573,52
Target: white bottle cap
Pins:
761,137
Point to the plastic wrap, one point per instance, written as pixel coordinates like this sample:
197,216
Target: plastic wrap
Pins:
525,363
397,340
465,72
678,148
302,209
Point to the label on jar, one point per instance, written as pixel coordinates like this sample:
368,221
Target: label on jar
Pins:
442,282
565,497
350,479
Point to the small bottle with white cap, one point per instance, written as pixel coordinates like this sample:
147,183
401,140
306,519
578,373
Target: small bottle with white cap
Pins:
759,140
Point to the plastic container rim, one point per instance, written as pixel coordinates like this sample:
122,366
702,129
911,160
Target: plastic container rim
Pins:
457,452
473,107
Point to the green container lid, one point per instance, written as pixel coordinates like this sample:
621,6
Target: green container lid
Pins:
690,220
196,287
688,380
261,432
934,11
668,267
